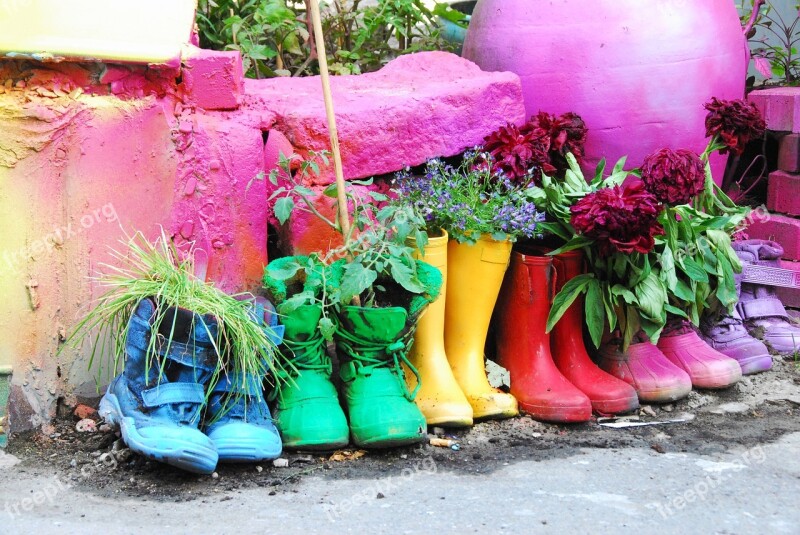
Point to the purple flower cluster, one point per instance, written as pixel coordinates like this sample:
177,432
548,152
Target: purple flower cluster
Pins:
469,200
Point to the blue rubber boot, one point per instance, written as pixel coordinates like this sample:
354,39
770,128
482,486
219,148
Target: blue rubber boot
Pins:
157,407
239,421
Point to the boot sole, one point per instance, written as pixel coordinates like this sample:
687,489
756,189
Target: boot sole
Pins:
569,415
244,451
615,406
185,455
756,364
317,445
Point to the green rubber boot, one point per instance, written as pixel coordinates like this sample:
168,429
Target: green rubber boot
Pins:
371,346
307,411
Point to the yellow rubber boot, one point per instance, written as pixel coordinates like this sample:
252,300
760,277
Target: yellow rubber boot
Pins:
474,276
439,398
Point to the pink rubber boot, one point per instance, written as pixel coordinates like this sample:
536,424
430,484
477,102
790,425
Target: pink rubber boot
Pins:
707,367
646,369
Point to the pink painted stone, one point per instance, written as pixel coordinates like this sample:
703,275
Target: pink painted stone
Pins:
638,72
417,107
213,79
789,296
789,154
783,193
782,229
780,107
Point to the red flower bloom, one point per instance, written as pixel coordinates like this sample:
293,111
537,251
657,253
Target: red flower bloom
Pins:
567,133
620,219
516,152
673,176
736,122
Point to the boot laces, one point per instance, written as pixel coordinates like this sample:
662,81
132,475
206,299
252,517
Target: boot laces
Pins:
355,347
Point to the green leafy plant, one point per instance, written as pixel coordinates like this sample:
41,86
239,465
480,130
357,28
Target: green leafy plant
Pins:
363,38
272,37
774,41
376,266
453,15
679,263
157,270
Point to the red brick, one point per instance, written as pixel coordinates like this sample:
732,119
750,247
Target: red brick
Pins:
780,228
213,80
780,107
789,154
783,193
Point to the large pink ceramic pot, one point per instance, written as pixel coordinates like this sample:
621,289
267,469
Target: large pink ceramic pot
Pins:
638,71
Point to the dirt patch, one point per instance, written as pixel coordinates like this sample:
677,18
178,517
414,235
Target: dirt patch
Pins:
759,410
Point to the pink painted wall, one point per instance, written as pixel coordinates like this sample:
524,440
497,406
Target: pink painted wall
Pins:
91,151
638,71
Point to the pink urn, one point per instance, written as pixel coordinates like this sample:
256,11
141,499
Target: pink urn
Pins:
637,71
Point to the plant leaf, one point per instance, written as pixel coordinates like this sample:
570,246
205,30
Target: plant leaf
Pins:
566,297
283,209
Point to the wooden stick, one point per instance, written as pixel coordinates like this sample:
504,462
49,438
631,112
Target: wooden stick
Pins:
344,217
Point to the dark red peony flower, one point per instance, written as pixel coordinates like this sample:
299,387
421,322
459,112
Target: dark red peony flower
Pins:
516,152
567,133
736,122
674,176
620,219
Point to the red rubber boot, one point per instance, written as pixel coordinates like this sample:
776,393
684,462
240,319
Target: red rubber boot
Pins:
608,394
523,347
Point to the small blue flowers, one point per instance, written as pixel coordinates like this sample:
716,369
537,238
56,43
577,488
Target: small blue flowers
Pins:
469,200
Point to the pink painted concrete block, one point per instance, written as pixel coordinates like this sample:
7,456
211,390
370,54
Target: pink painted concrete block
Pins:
782,229
789,154
417,107
789,296
213,80
780,107
783,193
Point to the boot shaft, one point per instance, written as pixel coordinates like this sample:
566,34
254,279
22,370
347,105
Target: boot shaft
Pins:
474,278
182,350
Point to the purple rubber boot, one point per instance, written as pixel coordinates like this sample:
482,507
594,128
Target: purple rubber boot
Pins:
727,334
759,307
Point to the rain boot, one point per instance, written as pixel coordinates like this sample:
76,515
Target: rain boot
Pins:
726,333
646,369
157,404
474,276
307,409
238,420
608,394
759,306
370,345
523,347
439,397
707,367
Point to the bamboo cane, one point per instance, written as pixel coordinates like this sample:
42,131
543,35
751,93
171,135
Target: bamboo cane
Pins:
344,217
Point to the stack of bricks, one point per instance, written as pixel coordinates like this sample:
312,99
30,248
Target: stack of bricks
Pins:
781,109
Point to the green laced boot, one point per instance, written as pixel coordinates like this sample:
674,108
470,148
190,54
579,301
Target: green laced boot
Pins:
307,411
372,344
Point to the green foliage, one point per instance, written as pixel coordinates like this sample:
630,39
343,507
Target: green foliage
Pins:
379,264
156,269
273,35
363,38
689,271
776,40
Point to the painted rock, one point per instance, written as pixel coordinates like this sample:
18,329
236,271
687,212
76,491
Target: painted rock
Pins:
637,71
